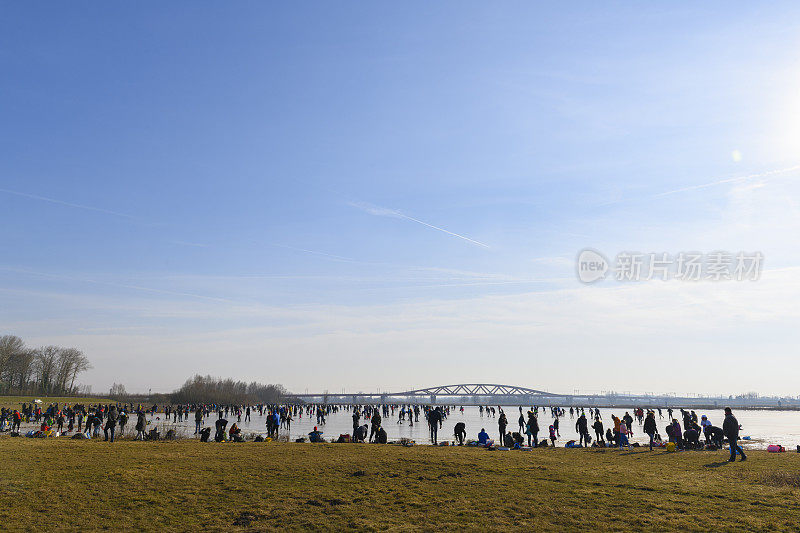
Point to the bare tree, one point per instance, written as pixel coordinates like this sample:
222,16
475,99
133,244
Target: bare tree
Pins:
47,369
68,360
22,370
63,369
45,361
117,391
11,348
80,364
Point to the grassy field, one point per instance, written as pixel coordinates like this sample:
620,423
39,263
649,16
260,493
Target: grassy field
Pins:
187,485
14,402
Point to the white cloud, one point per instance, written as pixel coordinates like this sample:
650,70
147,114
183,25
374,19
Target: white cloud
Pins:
701,335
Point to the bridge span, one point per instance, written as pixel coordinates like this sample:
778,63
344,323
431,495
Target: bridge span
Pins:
495,394
461,394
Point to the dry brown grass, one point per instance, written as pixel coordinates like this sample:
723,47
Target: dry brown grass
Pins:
189,486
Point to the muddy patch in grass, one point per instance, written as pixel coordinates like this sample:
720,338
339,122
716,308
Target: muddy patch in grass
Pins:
246,518
781,478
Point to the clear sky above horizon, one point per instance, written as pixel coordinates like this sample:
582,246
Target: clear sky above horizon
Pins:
383,196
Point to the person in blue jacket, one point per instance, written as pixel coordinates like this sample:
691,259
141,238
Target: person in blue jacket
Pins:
315,436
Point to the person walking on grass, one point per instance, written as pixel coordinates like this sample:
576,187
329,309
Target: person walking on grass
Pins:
731,429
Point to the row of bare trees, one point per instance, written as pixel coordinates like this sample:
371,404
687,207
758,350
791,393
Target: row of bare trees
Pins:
45,370
208,389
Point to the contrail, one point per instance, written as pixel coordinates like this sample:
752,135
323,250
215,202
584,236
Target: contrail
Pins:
473,241
730,180
384,212
68,204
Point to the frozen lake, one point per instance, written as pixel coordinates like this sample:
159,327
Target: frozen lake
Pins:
764,427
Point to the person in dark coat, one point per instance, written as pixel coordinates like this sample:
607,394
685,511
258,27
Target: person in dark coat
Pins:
141,424
123,419
598,431
434,419
582,427
220,424
532,429
198,420
460,432
502,424
111,422
650,427
360,433
730,427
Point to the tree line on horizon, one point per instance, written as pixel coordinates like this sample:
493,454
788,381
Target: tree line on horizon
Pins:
44,370
209,389
206,390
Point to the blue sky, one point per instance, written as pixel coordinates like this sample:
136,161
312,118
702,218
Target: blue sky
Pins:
383,196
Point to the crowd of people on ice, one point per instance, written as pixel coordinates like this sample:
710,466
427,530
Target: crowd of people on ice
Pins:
620,430
684,432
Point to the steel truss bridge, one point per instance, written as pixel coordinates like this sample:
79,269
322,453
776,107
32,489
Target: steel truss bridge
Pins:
461,394
494,394
465,394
